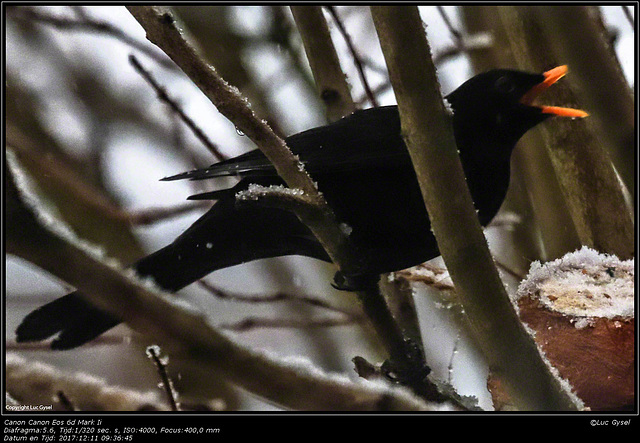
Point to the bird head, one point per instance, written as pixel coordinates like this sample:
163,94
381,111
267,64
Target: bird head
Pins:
498,105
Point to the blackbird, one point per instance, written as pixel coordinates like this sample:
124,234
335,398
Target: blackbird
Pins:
362,167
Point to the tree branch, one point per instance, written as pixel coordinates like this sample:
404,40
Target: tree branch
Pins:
531,167
277,297
164,96
428,133
37,383
87,24
162,30
578,40
323,59
42,240
356,57
586,175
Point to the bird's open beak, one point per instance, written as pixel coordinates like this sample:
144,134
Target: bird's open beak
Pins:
550,77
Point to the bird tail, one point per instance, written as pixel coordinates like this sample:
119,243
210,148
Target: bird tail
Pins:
223,237
253,163
75,321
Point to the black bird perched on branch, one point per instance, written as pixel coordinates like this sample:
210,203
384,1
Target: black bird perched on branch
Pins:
363,169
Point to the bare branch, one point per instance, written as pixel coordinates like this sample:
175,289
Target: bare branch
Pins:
480,43
189,333
321,220
153,352
457,35
627,13
323,59
354,53
278,196
517,275
86,24
65,402
164,96
583,154
428,274
270,298
34,382
250,323
463,245
254,322
162,31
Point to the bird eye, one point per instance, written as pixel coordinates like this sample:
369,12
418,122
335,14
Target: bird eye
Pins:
504,85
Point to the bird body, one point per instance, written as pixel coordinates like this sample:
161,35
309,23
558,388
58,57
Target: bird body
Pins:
364,171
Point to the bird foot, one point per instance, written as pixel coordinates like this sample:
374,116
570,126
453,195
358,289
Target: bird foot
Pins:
410,372
354,282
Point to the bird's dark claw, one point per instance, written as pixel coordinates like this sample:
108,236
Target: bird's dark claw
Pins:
412,371
354,282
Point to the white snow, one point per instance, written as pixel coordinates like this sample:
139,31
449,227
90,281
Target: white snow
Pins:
255,192
584,283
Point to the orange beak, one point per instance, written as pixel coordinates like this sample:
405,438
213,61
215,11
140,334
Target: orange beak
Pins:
550,77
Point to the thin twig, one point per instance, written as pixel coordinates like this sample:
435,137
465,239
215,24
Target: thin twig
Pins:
85,24
480,42
330,80
65,402
366,369
277,196
457,36
153,352
477,42
103,340
518,276
278,296
382,87
373,65
254,322
356,58
428,274
627,13
164,96
454,351
461,43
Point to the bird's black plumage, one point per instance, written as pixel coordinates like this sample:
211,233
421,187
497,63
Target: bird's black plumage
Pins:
364,171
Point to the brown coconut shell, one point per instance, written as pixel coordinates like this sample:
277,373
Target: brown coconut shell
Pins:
580,309
597,359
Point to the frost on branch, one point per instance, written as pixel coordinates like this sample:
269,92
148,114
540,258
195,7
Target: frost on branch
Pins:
256,192
580,309
35,383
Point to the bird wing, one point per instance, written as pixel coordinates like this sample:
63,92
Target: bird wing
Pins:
365,139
